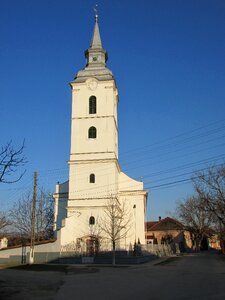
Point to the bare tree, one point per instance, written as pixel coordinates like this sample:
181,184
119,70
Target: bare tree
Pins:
115,223
21,216
196,220
4,221
10,160
210,187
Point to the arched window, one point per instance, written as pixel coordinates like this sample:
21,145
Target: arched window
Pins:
92,178
92,133
92,220
92,105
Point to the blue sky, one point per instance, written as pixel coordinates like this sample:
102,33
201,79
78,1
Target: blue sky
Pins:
168,61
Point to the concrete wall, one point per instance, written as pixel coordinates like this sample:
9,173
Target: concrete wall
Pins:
162,250
43,253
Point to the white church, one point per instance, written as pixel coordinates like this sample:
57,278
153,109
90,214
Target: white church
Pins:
95,177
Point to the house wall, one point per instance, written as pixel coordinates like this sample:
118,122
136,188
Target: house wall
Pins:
177,235
3,242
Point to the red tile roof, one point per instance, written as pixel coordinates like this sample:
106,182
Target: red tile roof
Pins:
150,224
164,224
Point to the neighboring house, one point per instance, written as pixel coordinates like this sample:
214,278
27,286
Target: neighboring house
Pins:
167,231
3,242
214,242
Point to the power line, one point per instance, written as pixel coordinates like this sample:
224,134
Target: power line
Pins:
212,131
163,146
178,168
174,137
80,177
102,192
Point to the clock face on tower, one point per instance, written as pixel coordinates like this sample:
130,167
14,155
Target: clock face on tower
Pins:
92,84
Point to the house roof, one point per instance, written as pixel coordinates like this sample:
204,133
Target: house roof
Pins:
164,224
150,224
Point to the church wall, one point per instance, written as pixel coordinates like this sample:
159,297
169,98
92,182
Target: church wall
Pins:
105,119
60,207
106,180
60,212
105,92
136,207
82,210
104,142
77,227
127,183
77,224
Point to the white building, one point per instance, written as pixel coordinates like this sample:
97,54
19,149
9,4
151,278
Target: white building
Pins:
3,242
95,176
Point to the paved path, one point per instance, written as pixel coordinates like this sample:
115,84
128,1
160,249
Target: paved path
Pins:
196,276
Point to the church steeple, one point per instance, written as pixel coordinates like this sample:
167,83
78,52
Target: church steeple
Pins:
96,58
96,39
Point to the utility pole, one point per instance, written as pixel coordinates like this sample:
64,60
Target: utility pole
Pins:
32,238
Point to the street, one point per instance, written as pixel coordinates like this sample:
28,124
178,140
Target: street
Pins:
192,276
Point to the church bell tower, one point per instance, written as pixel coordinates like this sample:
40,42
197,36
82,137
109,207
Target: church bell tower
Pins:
95,177
93,165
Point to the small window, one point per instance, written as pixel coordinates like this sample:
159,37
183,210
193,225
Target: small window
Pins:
92,133
92,220
92,105
92,178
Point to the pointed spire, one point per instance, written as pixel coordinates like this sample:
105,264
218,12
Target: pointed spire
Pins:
96,58
96,39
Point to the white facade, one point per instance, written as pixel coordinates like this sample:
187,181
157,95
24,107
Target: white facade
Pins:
3,242
94,172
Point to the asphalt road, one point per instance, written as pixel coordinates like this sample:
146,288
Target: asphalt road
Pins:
195,276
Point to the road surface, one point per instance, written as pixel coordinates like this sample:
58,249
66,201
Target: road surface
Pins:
193,276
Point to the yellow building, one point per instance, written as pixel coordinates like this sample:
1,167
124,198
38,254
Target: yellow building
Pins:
166,231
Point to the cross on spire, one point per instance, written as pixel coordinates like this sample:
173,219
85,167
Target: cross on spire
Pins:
96,11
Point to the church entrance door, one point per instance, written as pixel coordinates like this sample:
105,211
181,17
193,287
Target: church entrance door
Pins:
92,245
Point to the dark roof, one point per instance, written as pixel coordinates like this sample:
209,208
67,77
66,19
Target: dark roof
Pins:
164,224
150,224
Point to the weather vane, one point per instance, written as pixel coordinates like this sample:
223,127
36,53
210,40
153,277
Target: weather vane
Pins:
96,11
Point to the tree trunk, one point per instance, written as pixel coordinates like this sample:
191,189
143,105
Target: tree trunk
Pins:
114,253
